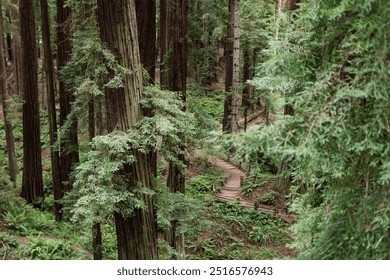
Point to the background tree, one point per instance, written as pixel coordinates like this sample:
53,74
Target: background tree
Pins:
49,73
13,168
69,143
232,54
32,185
174,54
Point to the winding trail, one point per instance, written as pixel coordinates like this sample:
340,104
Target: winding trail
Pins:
230,190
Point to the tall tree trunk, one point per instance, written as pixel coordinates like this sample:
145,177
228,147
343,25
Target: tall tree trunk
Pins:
248,74
96,229
174,52
69,148
232,58
16,62
164,28
9,135
32,185
49,73
136,235
236,99
146,24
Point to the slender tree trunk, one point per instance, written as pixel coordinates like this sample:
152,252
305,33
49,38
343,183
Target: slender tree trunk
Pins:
164,28
12,15
146,24
174,54
236,99
49,73
232,58
96,229
136,235
4,99
32,185
69,145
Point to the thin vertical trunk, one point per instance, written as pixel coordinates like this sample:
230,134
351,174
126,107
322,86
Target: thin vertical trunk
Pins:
16,47
175,71
146,24
164,25
96,229
4,99
32,185
236,99
49,73
69,148
229,45
136,235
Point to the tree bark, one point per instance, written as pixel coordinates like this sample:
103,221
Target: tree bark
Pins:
137,234
248,74
16,62
4,99
174,53
49,71
236,99
164,31
146,24
232,58
32,185
69,144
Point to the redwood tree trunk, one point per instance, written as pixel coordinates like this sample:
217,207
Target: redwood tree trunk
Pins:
4,99
174,54
49,70
32,185
69,145
146,24
229,45
136,235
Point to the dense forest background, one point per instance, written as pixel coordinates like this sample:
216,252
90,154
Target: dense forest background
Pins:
195,129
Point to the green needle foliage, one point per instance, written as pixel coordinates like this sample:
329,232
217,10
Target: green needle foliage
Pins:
331,62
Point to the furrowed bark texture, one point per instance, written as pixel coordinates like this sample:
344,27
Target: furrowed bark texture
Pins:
32,185
137,234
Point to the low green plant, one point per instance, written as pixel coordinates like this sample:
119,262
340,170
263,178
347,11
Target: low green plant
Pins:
261,254
267,232
269,198
45,249
8,244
